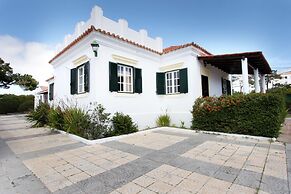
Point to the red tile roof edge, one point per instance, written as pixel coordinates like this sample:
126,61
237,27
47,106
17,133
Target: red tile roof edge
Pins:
51,78
174,48
93,29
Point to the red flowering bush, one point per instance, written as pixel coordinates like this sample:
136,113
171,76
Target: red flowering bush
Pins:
252,114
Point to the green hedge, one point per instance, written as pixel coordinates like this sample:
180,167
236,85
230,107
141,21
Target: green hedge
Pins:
286,91
10,103
252,114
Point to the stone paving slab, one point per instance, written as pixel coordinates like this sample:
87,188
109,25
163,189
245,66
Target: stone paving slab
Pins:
152,140
161,161
63,169
38,143
8,134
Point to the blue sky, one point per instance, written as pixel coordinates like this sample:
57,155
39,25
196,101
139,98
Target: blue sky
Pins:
220,26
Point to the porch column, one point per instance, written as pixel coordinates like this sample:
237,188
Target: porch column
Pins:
257,84
263,82
245,75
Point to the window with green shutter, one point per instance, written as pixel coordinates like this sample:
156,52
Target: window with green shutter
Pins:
172,82
124,78
80,79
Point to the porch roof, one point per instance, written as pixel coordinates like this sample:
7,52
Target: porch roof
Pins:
231,63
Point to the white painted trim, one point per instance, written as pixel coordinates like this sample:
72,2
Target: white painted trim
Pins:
171,67
124,60
81,60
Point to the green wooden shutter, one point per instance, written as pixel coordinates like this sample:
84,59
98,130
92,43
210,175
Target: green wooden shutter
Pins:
222,86
137,80
87,77
51,91
74,81
113,79
160,82
183,81
228,87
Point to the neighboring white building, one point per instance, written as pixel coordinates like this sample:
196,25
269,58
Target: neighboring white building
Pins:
132,73
285,79
41,95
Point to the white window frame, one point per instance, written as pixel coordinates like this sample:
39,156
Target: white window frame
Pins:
127,83
81,76
172,86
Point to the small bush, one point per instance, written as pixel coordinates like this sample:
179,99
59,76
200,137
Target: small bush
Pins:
122,124
252,114
163,120
39,116
100,123
76,121
56,118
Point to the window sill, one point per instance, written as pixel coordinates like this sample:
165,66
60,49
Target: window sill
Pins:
172,95
81,95
125,94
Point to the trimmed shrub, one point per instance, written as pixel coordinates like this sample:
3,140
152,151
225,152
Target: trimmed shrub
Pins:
284,90
122,124
26,106
252,114
56,118
10,103
76,121
39,116
163,120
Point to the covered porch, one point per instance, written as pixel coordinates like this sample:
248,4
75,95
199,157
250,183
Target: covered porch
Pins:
242,63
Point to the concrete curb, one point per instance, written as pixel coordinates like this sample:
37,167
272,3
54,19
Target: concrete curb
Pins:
259,138
103,140
180,130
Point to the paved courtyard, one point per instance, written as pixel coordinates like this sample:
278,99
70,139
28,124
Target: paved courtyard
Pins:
158,161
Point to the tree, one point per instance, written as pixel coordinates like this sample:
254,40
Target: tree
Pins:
8,78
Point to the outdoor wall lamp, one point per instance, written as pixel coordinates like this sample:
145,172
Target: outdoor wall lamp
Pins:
95,47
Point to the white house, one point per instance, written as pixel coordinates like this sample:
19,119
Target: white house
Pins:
128,71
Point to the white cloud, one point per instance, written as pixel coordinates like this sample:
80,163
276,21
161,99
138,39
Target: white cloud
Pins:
26,57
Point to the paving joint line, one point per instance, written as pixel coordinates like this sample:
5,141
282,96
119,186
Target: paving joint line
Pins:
264,169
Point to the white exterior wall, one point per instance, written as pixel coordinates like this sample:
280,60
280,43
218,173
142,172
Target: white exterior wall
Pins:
144,108
214,78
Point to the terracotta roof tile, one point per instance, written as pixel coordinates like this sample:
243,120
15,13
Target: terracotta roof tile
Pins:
93,29
177,47
43,89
